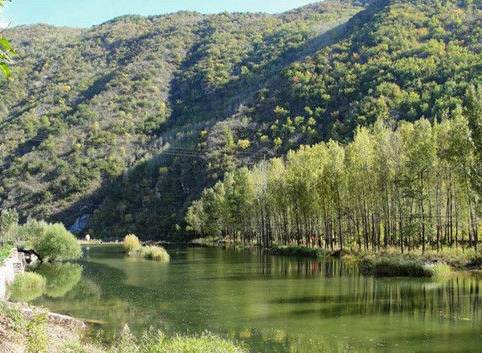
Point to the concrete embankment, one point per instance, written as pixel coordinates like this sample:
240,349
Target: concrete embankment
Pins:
8,269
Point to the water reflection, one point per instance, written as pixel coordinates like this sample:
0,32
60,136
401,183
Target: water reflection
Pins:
276,304
57,280
282,341
61,277
289,267
457,299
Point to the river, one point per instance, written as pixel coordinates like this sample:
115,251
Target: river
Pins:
273,304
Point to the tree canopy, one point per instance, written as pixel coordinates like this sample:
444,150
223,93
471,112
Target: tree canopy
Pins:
408,187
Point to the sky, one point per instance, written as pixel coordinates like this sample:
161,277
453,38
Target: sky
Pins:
85,13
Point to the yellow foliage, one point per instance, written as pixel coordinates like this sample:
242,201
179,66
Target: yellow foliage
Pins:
244,144
131,242
65,88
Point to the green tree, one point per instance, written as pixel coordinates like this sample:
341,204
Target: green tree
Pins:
8,225
195,217
6,52
55,243
474,116
408,187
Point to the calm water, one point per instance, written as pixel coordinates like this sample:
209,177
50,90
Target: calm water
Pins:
272,304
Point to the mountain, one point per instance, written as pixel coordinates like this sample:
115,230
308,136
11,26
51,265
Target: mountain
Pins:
120,126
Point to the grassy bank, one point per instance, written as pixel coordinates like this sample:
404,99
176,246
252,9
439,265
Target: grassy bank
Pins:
24,329
399,266
394,267
412,262
439,264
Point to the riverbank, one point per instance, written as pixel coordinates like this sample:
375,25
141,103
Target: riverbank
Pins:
391,262
297,251
438,265
30,329
385,262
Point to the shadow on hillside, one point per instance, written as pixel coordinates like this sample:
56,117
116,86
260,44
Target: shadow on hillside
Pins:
151,198
94,89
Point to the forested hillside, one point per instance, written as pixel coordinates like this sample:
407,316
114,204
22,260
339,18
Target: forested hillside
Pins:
124,124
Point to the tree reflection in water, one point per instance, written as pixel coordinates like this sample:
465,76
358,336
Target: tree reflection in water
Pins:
276,304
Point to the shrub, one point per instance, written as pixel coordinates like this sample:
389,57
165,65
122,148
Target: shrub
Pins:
367,266
456,257
29,232
341,253
156,253
131,243
27,286
394,267
56,243
475,262
244,144
8,225
17,319
4,252
440,271
351,259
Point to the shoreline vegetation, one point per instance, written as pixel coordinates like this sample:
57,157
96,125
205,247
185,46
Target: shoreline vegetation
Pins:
134,248
32,329
46,242
5,251
386,262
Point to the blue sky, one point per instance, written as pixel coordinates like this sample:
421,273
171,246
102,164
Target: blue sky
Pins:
84,13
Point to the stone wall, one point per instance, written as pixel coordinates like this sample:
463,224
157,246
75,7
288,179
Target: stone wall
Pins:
10,267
